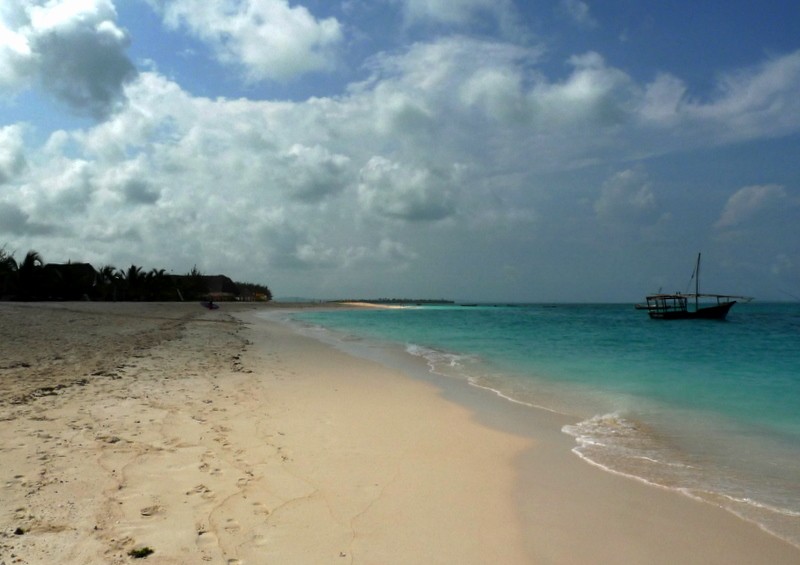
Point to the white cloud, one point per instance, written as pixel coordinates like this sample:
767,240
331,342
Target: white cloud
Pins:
396,191
751,202
452,11
16,57
497,80
15,221
439,138
128,183
12,153
312,173
756,102
594,92
499,92
267,39
578,12
75,50
662,100
626,197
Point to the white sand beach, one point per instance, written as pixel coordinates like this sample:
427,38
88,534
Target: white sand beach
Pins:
220,437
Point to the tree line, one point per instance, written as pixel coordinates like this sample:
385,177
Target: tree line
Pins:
33,279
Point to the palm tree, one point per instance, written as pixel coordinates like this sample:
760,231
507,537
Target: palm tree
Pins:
8,270
29,275
191,286
108,280
133,285
157,283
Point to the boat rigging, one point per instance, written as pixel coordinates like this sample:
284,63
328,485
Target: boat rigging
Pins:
677,306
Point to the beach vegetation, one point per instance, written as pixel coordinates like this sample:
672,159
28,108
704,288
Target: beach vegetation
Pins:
107,282
33,279
133,283
29,275
21,279
141,552
7,269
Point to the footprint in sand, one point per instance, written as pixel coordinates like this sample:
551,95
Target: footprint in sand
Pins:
232,526
203,491
152,510
260,540
207,539
259,508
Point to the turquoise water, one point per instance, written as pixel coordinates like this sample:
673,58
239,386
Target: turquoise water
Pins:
705,407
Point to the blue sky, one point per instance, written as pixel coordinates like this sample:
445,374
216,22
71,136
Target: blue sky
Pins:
559,150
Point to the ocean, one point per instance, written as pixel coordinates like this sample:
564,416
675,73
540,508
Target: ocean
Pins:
707,408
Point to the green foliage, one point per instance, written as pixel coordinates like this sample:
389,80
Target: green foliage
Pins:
191,286
32,279
253,291
141,552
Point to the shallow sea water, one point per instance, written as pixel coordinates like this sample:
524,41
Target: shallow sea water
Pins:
709,408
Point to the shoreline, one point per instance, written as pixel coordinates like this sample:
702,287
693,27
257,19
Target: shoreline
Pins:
490,407
220,436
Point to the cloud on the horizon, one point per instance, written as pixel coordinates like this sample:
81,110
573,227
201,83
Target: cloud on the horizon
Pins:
74,50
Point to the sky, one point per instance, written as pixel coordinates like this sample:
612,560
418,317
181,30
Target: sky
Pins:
497,150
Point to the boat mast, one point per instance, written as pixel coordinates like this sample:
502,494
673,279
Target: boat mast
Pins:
697,283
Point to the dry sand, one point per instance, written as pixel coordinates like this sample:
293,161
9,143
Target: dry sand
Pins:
214,436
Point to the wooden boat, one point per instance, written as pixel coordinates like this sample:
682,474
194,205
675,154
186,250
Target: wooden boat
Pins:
694,306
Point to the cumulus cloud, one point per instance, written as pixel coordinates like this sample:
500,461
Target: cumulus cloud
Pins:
14,221
75,50
751,203
138,191
594,92
16,56
396,191
443,130
12,153
312,173
496,80
661,103
128,183
267,39
67,191
499,92
626,197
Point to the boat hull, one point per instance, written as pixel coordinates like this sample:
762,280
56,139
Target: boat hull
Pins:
715,312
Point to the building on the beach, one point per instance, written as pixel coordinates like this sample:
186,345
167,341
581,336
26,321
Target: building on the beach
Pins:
220,287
